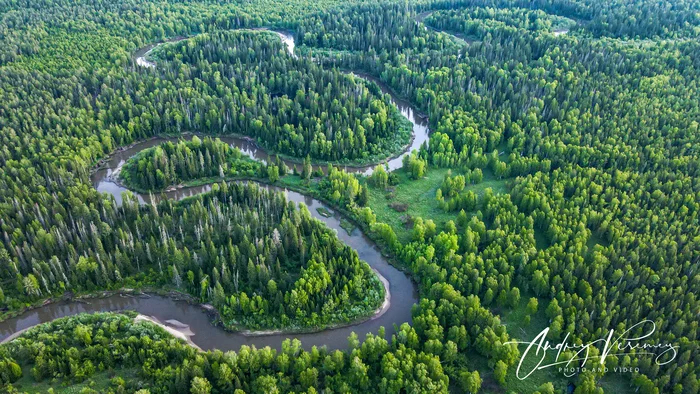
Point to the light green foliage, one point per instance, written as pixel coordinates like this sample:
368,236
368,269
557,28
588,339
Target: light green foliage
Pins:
470,382
165,362
578,152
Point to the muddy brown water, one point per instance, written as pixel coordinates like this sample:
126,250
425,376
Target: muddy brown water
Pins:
421,132
192,318
402,291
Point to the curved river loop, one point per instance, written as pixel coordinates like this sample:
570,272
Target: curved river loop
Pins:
193,322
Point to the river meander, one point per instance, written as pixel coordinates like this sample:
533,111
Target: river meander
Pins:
193,320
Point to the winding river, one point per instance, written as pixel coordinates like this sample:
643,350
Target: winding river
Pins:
141,55
193,321
421,133
460,37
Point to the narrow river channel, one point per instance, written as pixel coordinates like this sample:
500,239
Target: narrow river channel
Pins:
193,320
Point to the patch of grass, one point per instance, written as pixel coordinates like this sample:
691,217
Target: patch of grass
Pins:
513,318
413,198
503,152
399,207
347,226
418,196
541,241
324,212
596,240
292,180
616,383
489,181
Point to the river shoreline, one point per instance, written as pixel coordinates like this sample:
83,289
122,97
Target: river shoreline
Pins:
261,335
214,314
419,135
179,334
394,310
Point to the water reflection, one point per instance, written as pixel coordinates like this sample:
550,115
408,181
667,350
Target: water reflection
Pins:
185,316
206,336
421,133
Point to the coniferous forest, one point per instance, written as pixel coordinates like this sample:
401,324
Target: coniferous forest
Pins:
556,196
172,163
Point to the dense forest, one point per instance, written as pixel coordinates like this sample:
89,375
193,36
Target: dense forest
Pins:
259,260
559,188
168,365
478,22
172,163
293,106
583,127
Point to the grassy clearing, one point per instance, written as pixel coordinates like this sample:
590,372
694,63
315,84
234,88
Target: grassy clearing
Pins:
347,226
503,152
291,180
616,383
490,181
595,240
418,199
